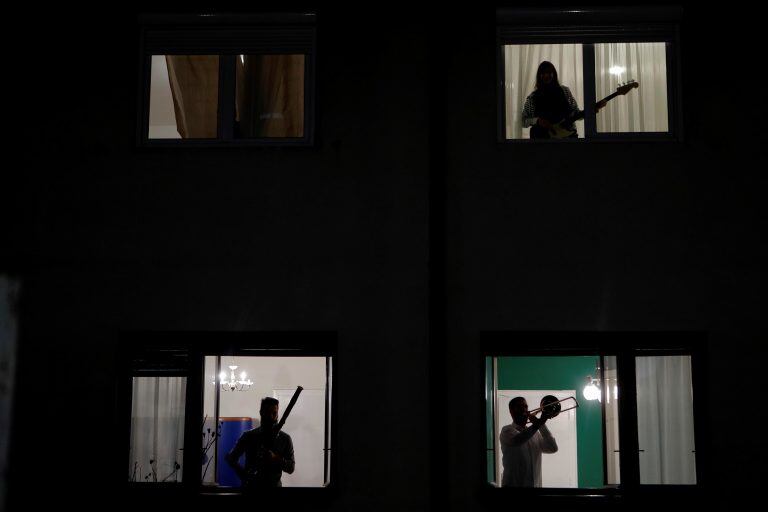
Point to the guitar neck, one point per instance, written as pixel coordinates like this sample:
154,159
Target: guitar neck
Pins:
580,114
607,98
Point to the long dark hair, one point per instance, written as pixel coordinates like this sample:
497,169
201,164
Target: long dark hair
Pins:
546,66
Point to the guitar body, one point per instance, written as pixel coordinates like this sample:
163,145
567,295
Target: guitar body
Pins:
565,129
556,131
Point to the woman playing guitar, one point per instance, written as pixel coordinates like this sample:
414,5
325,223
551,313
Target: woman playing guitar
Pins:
549,104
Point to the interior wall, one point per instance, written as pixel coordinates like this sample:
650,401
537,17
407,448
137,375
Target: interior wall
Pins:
268,374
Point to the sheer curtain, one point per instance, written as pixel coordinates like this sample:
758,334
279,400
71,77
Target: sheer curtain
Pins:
665,420
643,109
157,429
520,65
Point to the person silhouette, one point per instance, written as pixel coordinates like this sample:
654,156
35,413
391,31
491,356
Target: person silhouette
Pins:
267,454
521,446
550,103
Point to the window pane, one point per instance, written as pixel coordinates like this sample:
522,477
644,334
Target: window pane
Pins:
665,420
640,109
270,96
577,459
184,97
610,390
521,63
157,429
238,417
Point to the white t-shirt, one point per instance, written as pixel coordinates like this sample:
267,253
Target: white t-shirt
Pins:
522,462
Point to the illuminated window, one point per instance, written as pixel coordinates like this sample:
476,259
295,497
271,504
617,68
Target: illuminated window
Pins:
227,81
624,411
588,74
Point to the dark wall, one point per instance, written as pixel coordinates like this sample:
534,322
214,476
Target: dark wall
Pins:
326,238
107,237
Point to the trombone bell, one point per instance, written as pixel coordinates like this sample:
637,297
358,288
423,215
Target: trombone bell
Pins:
553,406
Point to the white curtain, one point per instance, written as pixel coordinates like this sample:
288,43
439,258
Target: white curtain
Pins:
643,109
157,429
665,420
520,65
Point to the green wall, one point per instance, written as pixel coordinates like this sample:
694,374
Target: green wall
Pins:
542,373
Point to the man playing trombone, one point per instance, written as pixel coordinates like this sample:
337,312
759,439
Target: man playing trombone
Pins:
522,446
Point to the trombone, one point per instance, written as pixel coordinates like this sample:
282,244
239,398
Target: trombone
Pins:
553,406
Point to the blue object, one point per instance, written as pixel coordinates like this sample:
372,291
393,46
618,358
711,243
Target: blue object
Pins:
231,430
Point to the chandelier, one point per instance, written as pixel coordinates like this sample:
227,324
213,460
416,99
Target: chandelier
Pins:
232,384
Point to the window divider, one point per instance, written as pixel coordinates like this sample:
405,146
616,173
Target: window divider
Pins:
604,401
629,459
216,414
590,125
193,410
500,91
327,418
145,88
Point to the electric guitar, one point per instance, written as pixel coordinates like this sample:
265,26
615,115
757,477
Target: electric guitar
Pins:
564,128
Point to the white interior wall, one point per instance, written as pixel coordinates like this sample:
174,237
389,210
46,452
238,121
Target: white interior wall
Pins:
559,469
268,374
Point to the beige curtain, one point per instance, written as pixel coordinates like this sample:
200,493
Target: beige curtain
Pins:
194,83
270,95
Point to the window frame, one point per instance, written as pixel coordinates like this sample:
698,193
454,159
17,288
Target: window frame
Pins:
625,346
227,36
146,354
589,26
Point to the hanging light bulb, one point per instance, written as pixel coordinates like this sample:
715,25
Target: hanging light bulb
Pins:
617,70
591,390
